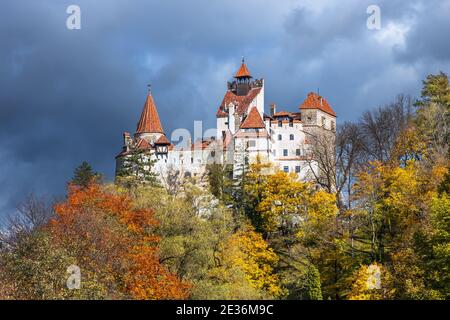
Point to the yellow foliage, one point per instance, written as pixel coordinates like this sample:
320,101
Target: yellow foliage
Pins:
247,250
373,282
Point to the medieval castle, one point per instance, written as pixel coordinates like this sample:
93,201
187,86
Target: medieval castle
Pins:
244,133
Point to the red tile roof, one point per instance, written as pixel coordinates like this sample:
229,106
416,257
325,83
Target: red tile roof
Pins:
282,114
253,120
243,72
314,101
162,140
143,144
149,121
241,102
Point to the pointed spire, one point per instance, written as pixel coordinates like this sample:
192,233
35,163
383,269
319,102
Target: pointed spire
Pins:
149,121
253,120
243,71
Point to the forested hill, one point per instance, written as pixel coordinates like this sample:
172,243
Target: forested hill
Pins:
375,224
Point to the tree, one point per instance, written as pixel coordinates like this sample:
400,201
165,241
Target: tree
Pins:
311,284
380,128
373,282
111,238
220,181
244,268
83,175
436,89
282,204
440,242
137,169
36,268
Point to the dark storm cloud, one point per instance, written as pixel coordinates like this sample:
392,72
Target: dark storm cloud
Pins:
67,96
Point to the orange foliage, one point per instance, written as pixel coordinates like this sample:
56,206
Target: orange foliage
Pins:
112,238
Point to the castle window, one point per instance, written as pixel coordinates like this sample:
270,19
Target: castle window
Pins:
297,152
291,123
297,169
291,137
323,121
280,123
251,143
286,169
285,152
333,126
280,137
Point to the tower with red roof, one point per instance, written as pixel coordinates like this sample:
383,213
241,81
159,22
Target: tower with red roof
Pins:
244,133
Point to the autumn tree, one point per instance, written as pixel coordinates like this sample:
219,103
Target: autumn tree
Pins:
107,235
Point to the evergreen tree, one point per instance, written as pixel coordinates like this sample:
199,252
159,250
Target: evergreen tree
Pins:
83,175
137,170
220,181
311,284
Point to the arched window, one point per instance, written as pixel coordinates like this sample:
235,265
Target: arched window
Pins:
291,137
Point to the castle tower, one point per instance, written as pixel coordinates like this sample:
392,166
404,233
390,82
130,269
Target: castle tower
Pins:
149,126
316,113
243,78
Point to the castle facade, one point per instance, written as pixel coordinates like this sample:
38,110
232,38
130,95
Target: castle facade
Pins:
244,133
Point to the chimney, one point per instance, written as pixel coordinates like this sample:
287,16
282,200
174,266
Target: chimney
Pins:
273,109
127,141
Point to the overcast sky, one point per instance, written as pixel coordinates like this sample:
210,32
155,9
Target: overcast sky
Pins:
67,95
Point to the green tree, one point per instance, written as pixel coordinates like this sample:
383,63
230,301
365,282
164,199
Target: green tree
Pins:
35,267
137,170
221,181
436,89
83,175
311,284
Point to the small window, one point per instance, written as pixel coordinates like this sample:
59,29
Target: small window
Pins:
291,123
297,152
291,137
285,152
323,121
297,169
333,126
286,169
251,143
280,137
280,124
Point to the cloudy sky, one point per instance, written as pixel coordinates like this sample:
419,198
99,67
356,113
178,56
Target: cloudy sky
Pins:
67,95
